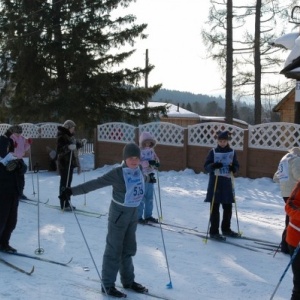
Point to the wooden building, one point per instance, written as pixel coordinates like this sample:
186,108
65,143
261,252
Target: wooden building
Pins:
286,108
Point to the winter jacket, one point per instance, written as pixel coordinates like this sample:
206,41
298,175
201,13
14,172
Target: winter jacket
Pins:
21,145
10,180
147,153
288,173
64,139
223,192
114,178
292,209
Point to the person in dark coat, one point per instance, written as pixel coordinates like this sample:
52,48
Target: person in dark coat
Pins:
221,163
11,173
67,158
128,188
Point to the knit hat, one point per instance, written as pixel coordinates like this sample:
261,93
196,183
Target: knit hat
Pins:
131,150
8,133
69,124
16,129
223,135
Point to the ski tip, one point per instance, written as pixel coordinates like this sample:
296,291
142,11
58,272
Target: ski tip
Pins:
169,285
32,270
69,261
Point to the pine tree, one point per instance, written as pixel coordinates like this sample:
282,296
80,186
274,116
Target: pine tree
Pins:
63,60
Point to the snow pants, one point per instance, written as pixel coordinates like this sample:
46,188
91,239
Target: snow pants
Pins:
296,274
215,218
283,244
120,245
146,205
8,216
65,181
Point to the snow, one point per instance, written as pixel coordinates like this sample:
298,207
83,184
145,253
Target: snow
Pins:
198,270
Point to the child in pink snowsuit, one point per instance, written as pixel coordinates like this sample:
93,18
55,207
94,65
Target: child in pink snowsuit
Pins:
21,145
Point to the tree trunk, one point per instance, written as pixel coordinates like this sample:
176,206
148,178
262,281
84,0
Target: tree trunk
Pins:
229,66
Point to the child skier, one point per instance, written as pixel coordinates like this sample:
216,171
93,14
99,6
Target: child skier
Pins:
220,163
149,161
127,181
292,209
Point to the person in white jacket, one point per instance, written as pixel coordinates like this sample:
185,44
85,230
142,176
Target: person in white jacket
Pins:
287,175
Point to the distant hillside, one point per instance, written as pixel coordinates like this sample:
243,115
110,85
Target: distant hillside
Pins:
176,97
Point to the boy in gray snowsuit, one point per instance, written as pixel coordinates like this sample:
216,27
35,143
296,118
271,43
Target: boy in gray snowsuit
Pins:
128,185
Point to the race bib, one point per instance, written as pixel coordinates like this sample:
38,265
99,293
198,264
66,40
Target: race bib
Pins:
226,159
134,182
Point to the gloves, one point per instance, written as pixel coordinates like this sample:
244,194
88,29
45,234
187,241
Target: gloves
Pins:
13,165
7,158
29,141
154,163
232,168
152,179
83,141
217,165
66,193
72,147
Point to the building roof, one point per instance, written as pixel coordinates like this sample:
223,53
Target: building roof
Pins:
281,103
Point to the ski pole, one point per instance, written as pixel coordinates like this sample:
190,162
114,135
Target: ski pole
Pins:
211,207
277,249
31,168
39,250
84,182
89,249
68,176
159,197
168,285
287,267
236,212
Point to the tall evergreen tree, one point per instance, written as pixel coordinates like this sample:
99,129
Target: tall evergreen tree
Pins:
62,59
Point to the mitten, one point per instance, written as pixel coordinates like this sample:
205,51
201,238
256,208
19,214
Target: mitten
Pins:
232,168
12,165
72,147
15,144
152,179
154,163
29,141
217,165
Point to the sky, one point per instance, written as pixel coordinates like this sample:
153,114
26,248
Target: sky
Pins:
175,45
196,270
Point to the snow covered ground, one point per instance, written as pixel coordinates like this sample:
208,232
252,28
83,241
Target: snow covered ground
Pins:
198,270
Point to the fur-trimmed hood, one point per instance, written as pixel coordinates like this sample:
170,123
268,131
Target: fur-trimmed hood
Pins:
146,136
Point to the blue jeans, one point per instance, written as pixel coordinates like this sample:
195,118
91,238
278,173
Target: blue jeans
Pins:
146,205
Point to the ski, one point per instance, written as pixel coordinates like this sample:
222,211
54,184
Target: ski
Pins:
78,211
267,244
131,292
32,201
5,262
271,249
40,258
202,232
203,236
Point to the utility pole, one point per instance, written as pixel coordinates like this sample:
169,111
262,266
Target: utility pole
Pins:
146,75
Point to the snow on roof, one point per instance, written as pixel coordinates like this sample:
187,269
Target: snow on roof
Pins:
174,111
